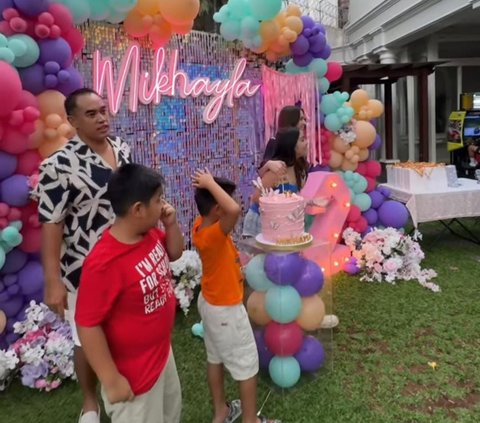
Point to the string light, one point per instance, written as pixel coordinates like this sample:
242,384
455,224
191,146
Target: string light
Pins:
333,185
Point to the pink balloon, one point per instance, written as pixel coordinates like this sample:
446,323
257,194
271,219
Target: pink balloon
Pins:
283,339
14,141
63,17
362,169
371,184
374,168
334,71
31,240
10,88
75,39
28,162
354,214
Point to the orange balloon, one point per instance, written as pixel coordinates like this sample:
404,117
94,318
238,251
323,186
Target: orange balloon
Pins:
37,137
269,31
66,130
363,155
51,102
179,12
366,134
160,35
148,7
262,49
256,308
358,99
349,165
375,107
295,24
280,18
290,36
182,29
135,25
3,321
48,147
294,10
53,121
272,56
339,145
336,160
312,313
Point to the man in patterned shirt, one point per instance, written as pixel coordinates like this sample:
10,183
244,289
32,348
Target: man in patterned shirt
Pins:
74,212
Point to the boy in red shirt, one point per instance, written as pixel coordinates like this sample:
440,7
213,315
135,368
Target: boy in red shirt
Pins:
229,339
126,304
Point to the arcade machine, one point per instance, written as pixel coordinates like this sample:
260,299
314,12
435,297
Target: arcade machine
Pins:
463,131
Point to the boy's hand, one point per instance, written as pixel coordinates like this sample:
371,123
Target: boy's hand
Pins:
169,215
118,390
277,166
202,178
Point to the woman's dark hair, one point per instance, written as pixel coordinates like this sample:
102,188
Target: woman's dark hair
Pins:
287,139
288,118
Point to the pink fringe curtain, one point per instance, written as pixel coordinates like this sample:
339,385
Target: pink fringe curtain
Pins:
280,90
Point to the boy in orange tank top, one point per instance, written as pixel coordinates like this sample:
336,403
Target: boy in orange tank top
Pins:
229,339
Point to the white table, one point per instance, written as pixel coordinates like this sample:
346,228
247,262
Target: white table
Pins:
448,204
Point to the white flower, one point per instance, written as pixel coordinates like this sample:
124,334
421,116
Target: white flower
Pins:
29,355
8,362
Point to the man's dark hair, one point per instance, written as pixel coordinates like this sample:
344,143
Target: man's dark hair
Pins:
71,100
133,183
205,200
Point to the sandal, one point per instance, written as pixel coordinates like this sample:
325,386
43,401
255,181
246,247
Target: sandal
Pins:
235,410
264,419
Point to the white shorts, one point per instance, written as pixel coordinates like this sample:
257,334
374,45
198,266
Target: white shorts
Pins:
229,339
70,316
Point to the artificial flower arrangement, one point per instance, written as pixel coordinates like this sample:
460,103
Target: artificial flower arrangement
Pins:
187,274
43,355
389,255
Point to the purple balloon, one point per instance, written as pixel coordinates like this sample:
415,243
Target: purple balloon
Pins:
12,306
321,28
4,296
377,198
74,81
311,279
13,290
9,280
393,214
30,278
284,269
12,337
33,79
384,191
367,231
55,50
317,43
264,354
15,191
376,144
51,68
308,22
371,215
307,32
311,355
37,296
326,52
63,76
5,4
14,261
351,268
51,81
8,164
300,46
32,7
303,60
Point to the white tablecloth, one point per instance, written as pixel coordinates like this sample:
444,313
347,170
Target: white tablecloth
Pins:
462,201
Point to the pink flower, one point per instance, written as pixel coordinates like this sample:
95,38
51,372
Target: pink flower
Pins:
391,265
55,384
41,384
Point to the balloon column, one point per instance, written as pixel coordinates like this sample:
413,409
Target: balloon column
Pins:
38,42
286,302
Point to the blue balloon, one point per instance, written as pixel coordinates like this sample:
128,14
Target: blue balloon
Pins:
283,303
255,274
284,371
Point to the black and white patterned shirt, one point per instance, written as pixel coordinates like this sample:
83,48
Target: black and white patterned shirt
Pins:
72,189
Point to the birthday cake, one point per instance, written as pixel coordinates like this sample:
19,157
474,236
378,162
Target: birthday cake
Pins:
419,177
282,218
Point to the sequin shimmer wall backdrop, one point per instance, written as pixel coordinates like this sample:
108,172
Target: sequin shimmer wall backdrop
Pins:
171,136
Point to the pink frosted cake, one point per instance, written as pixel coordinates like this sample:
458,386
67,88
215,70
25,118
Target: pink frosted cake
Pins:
282,218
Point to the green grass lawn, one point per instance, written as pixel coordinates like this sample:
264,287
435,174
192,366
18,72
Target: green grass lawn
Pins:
378,370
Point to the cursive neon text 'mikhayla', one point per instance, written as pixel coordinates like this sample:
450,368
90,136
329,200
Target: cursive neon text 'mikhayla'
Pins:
147,88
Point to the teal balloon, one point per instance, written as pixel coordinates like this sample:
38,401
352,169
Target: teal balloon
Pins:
323,85
121,6
239,8
360,185
255,274
362,201
292,68
341,97
17,224
250,27
265,10
319,67
332,122
230,30
222,15
197,330
11,236
3,257
329,104
6,55
80,9
284,371
99,10
348,176
26,55
283,303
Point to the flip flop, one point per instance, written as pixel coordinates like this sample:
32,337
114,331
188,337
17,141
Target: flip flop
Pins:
235,410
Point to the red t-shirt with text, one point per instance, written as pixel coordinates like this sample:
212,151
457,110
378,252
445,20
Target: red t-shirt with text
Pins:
127,290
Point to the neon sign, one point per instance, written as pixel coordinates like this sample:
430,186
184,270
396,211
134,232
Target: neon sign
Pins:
149,87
